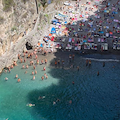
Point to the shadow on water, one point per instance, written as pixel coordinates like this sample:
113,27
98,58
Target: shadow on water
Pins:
89,98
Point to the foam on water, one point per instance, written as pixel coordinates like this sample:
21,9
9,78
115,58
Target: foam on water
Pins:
107,60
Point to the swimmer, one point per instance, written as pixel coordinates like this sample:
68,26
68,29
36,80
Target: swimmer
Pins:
55,63
33,77
33,67
78,68
103,64
14,63
44,68
37,61
32,73
46,77
23,67
21,60
45,61
58,62
6,71
6,78
9,69
24,54
54,102
26,66
42,77
73,82
25,72
30,105
24,60
35,72
11,66
87,62
39,97
42,61
36,56
73,57
98,73
16,76
18,56
18,80
70,101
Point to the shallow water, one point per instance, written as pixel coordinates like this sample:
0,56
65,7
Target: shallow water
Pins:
93,97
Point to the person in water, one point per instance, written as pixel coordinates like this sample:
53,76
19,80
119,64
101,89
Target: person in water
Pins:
55,63
78,68
46,76
32,72
45,61
24,60
42,77
41,61
103,64
16,76
6,78
35,71
33,77
44,68
37,62
11,66
73,82
87,62
73,56
34,67
98,73
21,60
18,80
58,62
26,66
23,67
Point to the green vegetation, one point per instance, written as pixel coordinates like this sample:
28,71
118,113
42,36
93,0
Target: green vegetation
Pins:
46,15
13,28
1,19
25,1
7,4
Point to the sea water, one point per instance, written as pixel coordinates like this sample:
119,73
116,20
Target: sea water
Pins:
91,97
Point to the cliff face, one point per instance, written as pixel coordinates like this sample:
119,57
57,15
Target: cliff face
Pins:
18,17
15,22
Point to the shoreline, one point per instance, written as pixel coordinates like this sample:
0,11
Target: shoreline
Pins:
53,56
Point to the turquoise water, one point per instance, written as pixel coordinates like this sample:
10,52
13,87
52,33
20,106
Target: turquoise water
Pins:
93,97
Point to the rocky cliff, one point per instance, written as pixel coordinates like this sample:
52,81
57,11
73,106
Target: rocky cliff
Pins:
22,21
16,19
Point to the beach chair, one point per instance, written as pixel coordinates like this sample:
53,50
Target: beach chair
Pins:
70,39
63,40
95,46
76,48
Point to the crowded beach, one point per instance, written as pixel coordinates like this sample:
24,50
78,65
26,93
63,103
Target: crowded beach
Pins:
82,27
92,26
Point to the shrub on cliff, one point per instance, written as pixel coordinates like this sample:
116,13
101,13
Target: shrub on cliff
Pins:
7,4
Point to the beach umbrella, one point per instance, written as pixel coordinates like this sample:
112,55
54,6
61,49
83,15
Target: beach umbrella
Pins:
41,45
50,35
111,33
76,19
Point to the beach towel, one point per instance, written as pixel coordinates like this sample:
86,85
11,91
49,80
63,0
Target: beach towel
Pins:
98,39
70,39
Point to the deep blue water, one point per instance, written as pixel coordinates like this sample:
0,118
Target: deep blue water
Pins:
93,97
